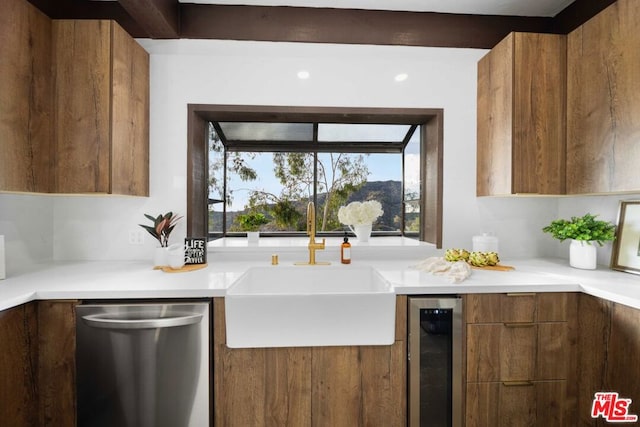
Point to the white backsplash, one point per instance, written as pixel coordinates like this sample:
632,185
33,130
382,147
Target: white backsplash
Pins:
259,73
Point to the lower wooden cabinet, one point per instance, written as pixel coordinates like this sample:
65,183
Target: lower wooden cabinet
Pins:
19,366
519,351
609,343
310,386
517,403
37,364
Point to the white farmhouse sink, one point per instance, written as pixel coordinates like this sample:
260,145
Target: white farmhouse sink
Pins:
302,306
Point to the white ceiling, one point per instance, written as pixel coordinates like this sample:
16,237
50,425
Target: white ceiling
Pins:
477,7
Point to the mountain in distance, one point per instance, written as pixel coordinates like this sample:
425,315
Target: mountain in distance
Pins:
388,193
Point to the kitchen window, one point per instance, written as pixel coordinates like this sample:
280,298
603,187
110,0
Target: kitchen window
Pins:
299,152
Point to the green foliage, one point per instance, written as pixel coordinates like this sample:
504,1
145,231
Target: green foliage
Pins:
286,215
162,227
586,228
252,221
236,164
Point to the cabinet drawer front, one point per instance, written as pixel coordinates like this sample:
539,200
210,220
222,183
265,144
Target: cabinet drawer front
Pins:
496,352
494,308
517,351
505,404
518,307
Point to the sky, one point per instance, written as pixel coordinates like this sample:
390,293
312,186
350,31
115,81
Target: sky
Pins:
382,167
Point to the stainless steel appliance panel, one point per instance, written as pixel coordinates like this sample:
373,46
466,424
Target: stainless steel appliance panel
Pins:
143,365
435,362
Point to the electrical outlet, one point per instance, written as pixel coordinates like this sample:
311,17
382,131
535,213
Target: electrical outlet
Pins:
136,237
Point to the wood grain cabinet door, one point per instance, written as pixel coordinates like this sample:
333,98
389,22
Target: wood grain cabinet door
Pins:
603,114
101,80
25,98
515,404
521,116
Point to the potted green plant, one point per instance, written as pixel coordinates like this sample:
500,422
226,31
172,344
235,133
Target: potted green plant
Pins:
251,223
582,231
161,229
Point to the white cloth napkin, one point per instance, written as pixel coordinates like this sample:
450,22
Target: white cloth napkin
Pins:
454,271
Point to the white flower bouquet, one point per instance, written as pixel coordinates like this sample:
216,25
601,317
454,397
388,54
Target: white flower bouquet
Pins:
359,213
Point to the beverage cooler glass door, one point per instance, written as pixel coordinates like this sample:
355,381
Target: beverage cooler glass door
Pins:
435,361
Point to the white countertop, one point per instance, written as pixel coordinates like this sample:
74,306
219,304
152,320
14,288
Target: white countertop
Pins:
137,279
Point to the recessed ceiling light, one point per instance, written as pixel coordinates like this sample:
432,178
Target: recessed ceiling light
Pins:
303,74
401,77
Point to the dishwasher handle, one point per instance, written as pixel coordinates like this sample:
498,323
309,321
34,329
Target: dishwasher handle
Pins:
106,322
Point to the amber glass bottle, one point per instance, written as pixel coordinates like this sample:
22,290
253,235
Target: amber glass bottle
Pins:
345,251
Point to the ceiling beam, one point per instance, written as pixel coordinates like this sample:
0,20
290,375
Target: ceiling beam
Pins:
160,19
171,19
351,26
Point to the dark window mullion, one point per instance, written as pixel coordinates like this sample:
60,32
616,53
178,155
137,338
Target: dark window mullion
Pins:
224,192
315,169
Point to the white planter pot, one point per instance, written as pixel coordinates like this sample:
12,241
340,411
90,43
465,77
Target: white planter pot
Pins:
582,254
362,232
253,236
160,257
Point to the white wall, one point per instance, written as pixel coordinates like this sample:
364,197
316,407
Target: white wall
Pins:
260,73
26,222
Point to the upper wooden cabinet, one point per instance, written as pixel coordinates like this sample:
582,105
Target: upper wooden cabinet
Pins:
25,98
101,137
521,116
603,119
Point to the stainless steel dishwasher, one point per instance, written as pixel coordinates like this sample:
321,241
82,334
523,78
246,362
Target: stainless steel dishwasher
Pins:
143,365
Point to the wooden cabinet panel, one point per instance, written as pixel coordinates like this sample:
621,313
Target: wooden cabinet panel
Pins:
517,352
539,138
495,120
74,110
130,116
555,306
518,359
25,98
516,404
498,353
37,384
82,60
492,308
521,116
57,362
609,340
358,386
603,120
19,362
259,387
624,347
101,104
518,307
311,386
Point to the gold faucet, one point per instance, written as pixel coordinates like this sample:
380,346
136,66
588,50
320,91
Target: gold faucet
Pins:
311,232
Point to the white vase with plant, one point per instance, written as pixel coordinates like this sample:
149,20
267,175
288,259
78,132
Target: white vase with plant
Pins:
359,217
583,232
161,229
251,223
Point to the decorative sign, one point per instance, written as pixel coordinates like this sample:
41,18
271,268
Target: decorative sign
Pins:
195,250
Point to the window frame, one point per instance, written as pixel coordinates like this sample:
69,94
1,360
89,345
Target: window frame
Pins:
429,120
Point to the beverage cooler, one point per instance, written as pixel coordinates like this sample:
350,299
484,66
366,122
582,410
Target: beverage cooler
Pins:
435,361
